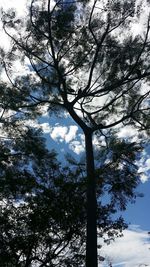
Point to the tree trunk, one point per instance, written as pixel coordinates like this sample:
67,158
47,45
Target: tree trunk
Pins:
91,239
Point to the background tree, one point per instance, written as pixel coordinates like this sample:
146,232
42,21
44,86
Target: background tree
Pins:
42,217
43,205
89,64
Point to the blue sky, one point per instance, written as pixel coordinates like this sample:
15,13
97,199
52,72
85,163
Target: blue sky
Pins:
137,215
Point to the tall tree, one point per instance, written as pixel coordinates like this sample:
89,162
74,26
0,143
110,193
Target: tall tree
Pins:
43,205
88,63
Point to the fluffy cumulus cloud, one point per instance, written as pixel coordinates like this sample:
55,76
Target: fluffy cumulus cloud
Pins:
67,134
63,133
71,134
78,145
20,6
45,127
75,141
148,163
59,133
131,250
144,165
127,132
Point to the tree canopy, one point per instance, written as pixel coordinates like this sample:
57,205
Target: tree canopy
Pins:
42,217
85,59
43,204
88,58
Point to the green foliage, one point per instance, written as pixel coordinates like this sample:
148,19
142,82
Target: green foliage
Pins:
43,204
42,217
91,49
119,173
85,60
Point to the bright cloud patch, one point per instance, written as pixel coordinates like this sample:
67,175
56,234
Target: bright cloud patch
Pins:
66,134
148,163
77,147
71,133
144,165
127,132
62,133
19,5
45,127
59,133
131,250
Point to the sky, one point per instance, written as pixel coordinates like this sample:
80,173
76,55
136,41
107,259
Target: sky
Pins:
133,249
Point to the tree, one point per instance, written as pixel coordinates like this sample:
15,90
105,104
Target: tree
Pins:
43,205
89,64
42,218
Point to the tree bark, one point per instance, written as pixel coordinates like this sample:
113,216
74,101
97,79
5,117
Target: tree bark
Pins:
91,235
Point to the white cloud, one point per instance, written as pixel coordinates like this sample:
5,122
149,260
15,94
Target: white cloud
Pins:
131,250
77,147
58,133
62,133
66,134
126,132
19,5
147,162
46,127
71,133
143,178
144,166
